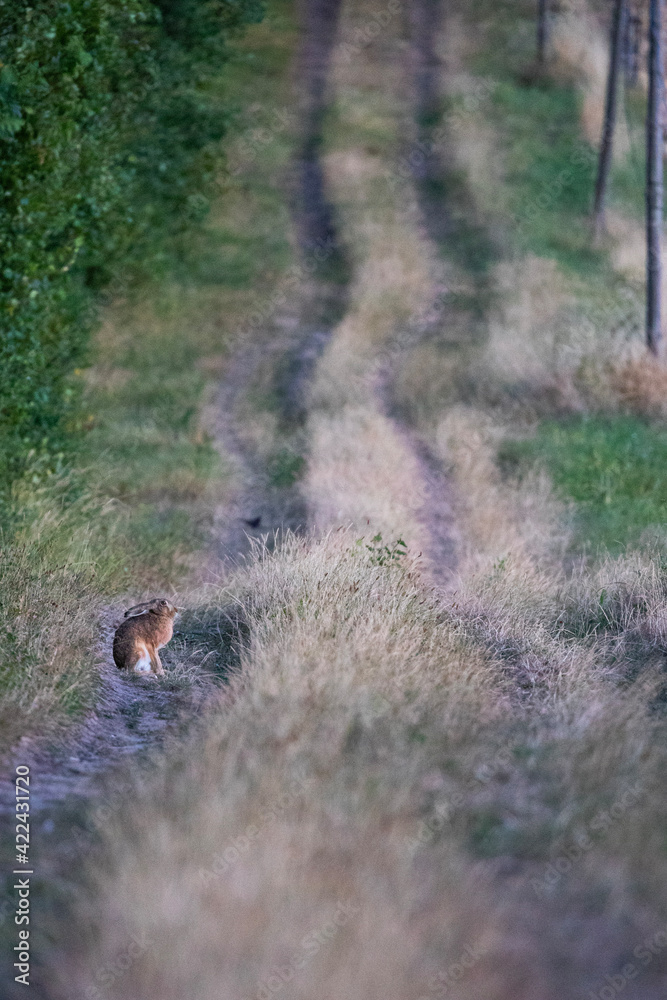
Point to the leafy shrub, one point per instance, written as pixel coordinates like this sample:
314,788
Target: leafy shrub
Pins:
106,133
382,554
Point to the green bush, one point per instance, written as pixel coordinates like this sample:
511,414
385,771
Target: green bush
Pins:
107,134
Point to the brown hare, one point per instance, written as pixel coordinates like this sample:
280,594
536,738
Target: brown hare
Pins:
146,628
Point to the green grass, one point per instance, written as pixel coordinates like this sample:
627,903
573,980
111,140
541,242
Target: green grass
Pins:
613,468
285,468
549,166
550,174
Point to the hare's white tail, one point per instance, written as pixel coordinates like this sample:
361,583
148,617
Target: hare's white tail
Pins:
143,664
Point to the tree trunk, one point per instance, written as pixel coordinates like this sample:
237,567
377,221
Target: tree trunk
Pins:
606,143
631,45
654,193
542,32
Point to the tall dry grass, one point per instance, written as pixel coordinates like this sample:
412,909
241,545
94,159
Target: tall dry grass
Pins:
50,615
318,833
580,44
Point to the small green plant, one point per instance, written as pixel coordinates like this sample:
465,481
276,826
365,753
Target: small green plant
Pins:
384,555
286,468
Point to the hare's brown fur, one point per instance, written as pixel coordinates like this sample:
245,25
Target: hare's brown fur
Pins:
139,636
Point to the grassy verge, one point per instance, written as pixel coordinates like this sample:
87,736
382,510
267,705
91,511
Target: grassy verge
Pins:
137,510
609,466
560,353
373,752
612,468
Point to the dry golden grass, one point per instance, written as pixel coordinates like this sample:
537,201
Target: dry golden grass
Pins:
581,48
343,653
626,238
532,293
365,475
395,271
640,386
371,734
497,520
50,621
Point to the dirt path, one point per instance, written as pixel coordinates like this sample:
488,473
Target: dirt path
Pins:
131,718
425,21
132,714
75,782
369,467
334,360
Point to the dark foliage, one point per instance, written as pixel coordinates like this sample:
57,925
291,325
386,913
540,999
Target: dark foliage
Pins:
108,133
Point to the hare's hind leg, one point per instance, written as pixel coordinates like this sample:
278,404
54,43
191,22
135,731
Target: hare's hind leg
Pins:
156,663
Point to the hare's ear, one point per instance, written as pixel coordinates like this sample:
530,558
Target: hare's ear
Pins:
135,612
